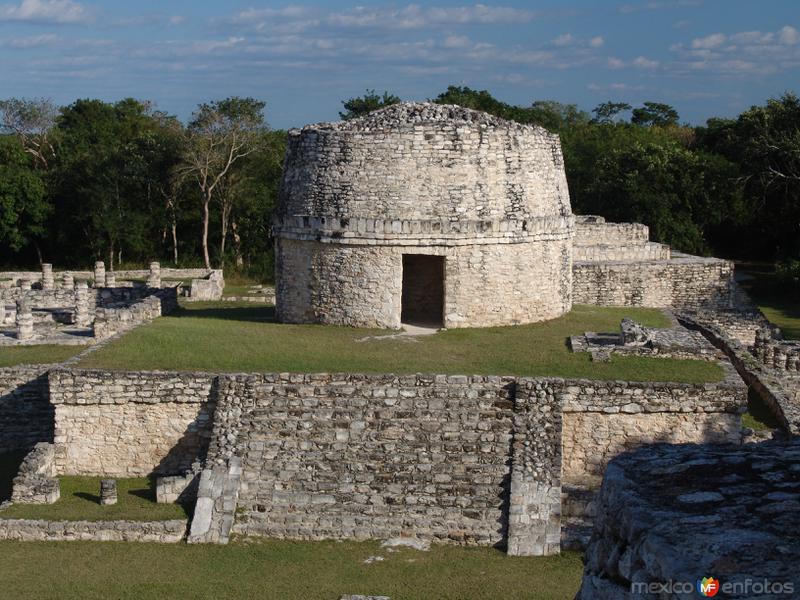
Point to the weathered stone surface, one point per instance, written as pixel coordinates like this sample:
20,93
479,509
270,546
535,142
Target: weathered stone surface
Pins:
36,481
488,195
26,415
108,491
128,424
163,532
682,282
672,515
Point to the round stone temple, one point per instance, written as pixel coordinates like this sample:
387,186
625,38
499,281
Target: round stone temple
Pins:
425,214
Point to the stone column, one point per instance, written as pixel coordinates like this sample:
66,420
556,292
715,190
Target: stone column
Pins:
24,320
82,316
154,279
111,279
534,512
108,491
99,273
68,281
25,284
47,276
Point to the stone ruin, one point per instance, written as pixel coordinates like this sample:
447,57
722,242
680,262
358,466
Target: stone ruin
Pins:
450,217
42,308
669,516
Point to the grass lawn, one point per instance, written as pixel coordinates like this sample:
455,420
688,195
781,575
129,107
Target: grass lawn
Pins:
36,355
781,307
80,501
242,338
275,569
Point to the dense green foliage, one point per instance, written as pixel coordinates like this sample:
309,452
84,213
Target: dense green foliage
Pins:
122,183
125,183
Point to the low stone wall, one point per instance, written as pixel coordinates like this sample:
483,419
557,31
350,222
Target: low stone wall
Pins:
592,230
470,460
26,415
738,324
622,252
111,321
36,481
209,287
762,380
24,530
682,282
130,424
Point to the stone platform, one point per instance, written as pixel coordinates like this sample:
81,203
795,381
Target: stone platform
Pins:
669,516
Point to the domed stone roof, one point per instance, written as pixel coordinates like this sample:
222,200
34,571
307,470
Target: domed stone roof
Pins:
423,162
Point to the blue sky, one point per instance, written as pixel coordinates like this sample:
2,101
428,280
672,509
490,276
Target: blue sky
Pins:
705,57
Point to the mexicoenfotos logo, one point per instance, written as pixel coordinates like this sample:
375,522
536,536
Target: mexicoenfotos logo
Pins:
708,586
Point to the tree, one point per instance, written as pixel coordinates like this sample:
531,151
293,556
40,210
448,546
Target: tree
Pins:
111,163
23,204
606,112
363,105
32,121
654,113
220,134
765,143
549,114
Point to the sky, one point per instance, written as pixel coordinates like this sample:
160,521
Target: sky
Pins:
705,57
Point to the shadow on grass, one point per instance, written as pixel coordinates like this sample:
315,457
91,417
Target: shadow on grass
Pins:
87,496
261,314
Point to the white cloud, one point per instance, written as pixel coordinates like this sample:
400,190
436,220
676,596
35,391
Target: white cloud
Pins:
565,39
644,63
789,35
597,41
177,20
456,41
741,53
33,41
212,45
45,11
715,40
615,63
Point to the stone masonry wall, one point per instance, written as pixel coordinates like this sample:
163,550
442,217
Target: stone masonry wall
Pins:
591,230
26,416
682,282
369,456
130,424
424,161
485,285
605,419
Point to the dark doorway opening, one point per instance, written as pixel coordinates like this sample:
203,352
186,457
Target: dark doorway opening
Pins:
423,290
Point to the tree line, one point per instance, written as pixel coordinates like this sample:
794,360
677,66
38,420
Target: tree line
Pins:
125,182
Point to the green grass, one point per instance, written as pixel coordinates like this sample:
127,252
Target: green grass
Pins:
275,569
36,355
80,501
779,305
241,338
758,417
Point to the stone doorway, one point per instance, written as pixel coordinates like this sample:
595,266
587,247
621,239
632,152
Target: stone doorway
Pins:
423,290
